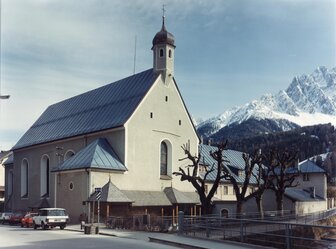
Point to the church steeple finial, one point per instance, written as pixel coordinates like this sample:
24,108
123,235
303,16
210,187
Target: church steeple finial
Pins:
163,51
163,17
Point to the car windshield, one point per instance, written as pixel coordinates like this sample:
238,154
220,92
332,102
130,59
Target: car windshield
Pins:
56,213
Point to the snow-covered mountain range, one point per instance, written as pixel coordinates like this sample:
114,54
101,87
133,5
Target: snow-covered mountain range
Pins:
309,100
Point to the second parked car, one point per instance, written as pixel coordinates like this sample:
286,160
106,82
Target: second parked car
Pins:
27,220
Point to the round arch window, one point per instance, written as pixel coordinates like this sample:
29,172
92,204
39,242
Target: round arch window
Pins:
69,154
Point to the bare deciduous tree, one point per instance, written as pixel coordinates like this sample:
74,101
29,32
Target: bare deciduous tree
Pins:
242,195
282,173
191,174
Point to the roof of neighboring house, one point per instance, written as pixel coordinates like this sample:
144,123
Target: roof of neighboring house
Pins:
305,166
110,193
147,198
103,108
234,158
4,154
177,197
9,160
308,166
301,195
97,155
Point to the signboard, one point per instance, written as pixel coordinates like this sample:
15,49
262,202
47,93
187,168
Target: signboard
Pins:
98,193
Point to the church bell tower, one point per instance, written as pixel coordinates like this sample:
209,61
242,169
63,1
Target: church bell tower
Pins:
163,53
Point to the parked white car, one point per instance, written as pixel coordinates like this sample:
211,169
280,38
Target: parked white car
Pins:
50,217
4,217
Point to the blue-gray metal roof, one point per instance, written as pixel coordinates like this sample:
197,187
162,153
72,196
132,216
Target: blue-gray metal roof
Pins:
177,197
301,195
308,166
234,164
305,166
97,155
106,107
110,193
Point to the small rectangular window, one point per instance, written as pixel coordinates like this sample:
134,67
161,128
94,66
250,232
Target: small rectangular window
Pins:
306,177
170,53
161,52
151,115
180,122
166,98
225,190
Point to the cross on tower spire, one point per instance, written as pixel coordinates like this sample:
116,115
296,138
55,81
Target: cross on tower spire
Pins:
163,14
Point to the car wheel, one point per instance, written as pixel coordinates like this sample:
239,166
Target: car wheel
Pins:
62,227
44,226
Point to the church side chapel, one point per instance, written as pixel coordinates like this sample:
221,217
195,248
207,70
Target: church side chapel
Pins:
123,139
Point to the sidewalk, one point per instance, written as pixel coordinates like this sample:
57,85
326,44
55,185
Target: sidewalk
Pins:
168,239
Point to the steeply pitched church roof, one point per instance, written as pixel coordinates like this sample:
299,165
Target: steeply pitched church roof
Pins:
104,108
98,154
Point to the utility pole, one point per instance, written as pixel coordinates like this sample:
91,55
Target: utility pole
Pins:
1,96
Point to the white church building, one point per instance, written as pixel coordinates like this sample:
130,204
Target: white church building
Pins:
124,137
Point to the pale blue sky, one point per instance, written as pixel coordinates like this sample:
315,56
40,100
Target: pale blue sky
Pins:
227,52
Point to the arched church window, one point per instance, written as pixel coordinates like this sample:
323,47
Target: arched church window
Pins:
170,53
24,178
161,52
44,176
164,159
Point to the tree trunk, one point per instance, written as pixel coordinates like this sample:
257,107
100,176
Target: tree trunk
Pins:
206,208
260,206
239,208
279,199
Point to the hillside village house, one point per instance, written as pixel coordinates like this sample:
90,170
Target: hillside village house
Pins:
124,137
310,194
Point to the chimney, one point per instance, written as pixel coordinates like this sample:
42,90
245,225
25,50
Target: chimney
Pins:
202,140
209,141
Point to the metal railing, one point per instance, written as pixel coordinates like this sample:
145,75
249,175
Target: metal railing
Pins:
278,234
143,222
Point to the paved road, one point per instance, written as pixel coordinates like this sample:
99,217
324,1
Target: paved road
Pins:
12,237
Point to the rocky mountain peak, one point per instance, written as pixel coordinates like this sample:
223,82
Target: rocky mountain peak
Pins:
308,100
